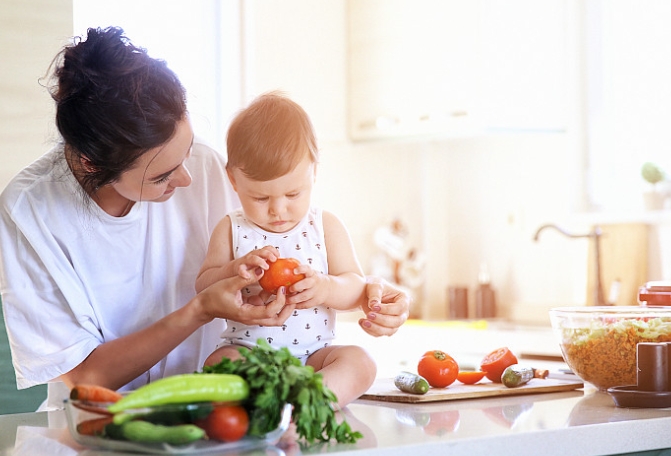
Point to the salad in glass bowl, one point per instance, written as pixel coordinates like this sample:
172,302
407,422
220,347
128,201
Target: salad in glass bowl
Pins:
599,342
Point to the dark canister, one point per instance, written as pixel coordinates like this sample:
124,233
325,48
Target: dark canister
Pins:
652,361
457,302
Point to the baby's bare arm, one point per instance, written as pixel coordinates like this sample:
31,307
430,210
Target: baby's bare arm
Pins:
343,287
219,263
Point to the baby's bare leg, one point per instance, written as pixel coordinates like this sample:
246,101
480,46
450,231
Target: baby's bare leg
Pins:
348,370
226,351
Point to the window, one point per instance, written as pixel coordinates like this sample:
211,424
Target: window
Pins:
629,97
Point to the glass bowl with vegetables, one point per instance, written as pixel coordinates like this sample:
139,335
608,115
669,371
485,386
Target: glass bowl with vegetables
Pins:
202,427
599,342
189,413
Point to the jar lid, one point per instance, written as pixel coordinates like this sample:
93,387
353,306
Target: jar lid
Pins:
656,293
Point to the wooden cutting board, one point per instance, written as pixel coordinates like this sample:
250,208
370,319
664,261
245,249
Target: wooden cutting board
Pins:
624,260
385,391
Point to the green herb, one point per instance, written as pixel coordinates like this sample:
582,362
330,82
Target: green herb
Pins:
276,378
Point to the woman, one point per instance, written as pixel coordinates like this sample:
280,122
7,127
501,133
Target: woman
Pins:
97,279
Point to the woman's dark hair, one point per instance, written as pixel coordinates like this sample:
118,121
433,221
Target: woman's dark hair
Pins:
113,103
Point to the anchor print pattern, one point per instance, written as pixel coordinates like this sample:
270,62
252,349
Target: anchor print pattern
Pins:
306,330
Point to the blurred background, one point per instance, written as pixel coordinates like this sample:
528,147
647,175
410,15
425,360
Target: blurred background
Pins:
450,130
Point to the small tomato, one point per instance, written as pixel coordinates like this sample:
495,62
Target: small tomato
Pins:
227,423
496,362
470,377
280,273
438,368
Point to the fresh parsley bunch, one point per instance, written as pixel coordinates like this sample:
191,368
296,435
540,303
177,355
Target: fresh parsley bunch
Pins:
276,378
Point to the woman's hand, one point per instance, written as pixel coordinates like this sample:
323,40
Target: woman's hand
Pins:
387,308
223,299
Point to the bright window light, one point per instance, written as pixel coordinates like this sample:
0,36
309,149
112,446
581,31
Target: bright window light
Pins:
629,44
199,40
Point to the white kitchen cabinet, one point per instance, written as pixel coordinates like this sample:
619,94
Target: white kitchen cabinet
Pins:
456,67
412,67
529,58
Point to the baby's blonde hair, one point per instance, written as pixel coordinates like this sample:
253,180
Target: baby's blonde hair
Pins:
270,137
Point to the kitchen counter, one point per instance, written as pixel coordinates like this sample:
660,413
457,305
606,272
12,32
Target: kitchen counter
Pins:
581,422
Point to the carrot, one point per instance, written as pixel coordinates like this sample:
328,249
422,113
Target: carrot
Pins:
94,393
95,426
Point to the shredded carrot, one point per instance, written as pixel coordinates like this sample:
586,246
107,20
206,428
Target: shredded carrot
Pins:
608,360
94,393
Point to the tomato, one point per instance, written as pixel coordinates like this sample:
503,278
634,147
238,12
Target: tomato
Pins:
470,377
280,274
227,423
496,362
438,368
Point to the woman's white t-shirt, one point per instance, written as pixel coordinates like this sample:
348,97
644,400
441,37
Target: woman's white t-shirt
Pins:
73,277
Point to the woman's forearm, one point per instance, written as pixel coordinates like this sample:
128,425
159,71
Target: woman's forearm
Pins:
119,361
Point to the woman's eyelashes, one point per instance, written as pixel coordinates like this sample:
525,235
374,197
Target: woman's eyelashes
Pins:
162,180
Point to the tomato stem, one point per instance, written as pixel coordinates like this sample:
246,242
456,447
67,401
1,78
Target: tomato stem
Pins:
439,355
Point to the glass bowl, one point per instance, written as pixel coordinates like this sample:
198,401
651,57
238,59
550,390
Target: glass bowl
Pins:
82,415
599,342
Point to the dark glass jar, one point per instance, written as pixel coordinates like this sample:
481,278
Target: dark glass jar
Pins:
485,301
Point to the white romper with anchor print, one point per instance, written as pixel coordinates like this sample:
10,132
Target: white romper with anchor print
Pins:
307,330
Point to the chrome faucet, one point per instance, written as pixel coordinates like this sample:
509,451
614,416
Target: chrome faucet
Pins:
594,234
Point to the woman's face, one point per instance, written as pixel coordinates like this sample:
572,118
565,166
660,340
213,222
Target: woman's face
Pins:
159,171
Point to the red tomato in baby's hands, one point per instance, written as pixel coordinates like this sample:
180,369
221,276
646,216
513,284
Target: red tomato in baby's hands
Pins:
438,368
280,274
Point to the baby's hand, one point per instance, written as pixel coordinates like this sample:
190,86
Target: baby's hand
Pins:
249,264
310,292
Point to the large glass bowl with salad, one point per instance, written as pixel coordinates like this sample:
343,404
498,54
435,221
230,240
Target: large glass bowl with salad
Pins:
599,342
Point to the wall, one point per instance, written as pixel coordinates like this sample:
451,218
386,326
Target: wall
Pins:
31,33
465,200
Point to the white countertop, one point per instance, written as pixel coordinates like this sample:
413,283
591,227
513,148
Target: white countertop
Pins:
575,423
582,422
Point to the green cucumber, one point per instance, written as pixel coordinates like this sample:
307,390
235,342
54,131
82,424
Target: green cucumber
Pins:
169,415
516,375
114,431
185,389
146,432
411,383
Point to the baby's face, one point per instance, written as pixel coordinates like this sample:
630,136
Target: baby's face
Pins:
279,204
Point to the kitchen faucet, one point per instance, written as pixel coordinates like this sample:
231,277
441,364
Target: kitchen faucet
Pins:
594,234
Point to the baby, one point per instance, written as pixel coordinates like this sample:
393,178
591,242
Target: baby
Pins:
272,164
